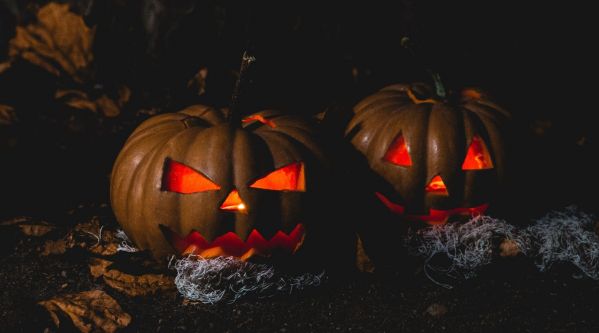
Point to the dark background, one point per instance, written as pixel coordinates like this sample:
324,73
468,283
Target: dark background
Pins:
535,58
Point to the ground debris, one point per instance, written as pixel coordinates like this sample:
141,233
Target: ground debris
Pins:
132,285
90,311
59,42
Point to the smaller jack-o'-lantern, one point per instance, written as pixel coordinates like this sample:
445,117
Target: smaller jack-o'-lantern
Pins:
440,157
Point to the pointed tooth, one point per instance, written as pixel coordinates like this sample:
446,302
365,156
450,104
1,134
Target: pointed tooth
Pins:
191,249
247,255
212,252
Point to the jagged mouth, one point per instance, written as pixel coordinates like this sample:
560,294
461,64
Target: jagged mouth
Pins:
230,244
435,216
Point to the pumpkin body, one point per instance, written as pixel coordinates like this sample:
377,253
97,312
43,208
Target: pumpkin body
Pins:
437,158
191,182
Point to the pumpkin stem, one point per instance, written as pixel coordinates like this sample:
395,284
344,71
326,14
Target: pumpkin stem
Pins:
439,86
242,81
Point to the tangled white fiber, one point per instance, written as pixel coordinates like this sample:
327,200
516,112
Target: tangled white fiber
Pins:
124,245
467,246
566,236
227,278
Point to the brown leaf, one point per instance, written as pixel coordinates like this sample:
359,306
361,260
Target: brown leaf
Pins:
124,96
198,81
363,262
16,220
436,310
80,100
59,42
508,248
132,285
89,311
107,106
36,229
7,115
98,267
56,247
4,66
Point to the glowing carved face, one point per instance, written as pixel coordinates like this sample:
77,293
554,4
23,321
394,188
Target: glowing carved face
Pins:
432,157
183,179
477,158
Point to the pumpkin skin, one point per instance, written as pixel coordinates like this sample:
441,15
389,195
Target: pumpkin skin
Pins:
232,158
434,137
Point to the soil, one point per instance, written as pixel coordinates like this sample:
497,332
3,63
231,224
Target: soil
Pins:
509,295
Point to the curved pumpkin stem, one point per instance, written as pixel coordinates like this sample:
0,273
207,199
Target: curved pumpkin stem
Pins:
242,81
439,86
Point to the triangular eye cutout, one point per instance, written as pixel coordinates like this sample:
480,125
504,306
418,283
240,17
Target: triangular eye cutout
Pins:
288,178
477,157
398,153
180,178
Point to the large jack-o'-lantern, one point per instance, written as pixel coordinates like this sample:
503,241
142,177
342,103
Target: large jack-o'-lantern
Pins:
197,182
440,157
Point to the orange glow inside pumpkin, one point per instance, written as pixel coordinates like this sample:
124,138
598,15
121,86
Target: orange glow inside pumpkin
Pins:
182,179
398,152
261,119
478,157
288,178
230,244
233,202
437,186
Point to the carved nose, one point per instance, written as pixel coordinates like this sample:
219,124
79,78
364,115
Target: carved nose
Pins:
437,186
233,203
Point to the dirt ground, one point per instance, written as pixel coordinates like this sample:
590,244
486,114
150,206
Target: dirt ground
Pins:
509,295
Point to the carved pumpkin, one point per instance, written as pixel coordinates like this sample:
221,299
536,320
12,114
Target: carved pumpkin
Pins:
193,182
439,158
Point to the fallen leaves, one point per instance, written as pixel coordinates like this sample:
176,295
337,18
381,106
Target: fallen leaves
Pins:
56,247
90,236
509,248
36,229
7,115
109,107
4,66
363,262
132,285
89,311
58,42
198,81
436,310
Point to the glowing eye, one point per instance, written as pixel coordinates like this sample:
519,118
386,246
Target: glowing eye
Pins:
288,178
478,157
398,152
183,179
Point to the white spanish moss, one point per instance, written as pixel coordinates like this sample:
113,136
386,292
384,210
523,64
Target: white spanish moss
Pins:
227,278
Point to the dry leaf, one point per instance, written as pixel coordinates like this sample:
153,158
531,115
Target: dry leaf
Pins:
124,96
107,106
132,285
363,262
56,247
7,115
16,220
436,310
59,42
89,311
4,66
198,81
98,267
37,229
508,248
